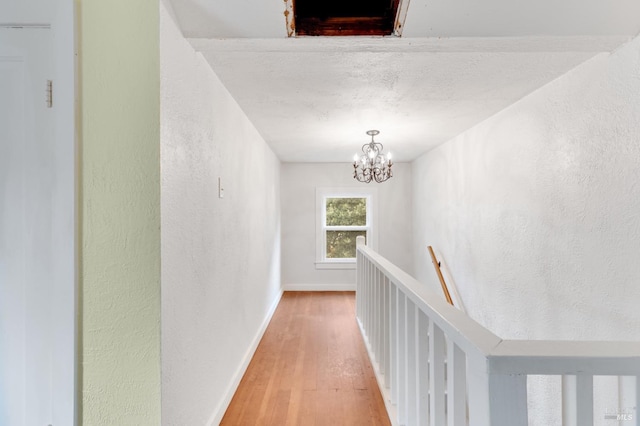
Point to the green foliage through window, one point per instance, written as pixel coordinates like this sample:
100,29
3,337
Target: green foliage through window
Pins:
342,244
346,211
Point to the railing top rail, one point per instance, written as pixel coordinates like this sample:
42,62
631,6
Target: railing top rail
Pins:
565,357
514,356
465,332
560,348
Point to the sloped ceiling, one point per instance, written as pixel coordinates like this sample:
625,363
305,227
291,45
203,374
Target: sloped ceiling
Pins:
456,64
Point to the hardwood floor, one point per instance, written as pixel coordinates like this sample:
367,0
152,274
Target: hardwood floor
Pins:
311,368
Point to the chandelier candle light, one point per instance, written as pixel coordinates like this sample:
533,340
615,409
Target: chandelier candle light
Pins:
372,165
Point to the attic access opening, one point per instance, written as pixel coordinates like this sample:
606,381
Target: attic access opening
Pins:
345,17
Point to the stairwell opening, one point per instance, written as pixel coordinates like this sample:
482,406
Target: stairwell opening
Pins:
344,18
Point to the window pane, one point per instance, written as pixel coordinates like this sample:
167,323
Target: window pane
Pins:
342,244
346,211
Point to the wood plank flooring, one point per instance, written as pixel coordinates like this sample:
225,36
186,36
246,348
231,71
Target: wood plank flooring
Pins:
311,368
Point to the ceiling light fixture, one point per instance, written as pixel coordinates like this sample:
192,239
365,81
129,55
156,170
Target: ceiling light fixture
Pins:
372,165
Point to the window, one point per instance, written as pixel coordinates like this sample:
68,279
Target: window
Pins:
343,215
345,219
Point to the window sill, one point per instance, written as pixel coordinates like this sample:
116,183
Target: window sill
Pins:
336,265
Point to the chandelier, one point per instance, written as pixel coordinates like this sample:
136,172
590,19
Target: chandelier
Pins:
372,165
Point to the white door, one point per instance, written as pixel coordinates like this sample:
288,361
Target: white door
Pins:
27,249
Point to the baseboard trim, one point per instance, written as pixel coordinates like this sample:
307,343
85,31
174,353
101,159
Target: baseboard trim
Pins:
218,414
319,287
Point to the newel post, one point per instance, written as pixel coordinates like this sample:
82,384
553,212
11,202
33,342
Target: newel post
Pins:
360,240
496,399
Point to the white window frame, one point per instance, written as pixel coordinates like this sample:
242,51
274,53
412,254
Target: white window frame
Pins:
322,262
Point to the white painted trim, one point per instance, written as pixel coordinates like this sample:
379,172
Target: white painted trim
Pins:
218,413
336,265
24,26
496,370
371,194
412,44
320,287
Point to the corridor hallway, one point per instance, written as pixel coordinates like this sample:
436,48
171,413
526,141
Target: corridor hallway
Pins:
311,368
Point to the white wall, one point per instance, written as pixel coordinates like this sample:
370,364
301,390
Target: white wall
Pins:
536,209
220,257
298,188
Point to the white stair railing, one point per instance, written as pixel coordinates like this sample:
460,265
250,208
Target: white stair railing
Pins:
436,366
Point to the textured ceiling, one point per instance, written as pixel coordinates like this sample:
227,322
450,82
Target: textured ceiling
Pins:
427,18
313,98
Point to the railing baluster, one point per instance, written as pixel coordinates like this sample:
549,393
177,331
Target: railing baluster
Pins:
374,314
412,385
379,317
361,289
365,297
362,281
478,384
508,399
627,396
381,322
423,369
437,346
402,359
370,268
385,335
569,409
358,263
584,399
393,355
637,400
456,385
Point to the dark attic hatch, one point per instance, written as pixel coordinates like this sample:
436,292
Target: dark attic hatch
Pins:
345,17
